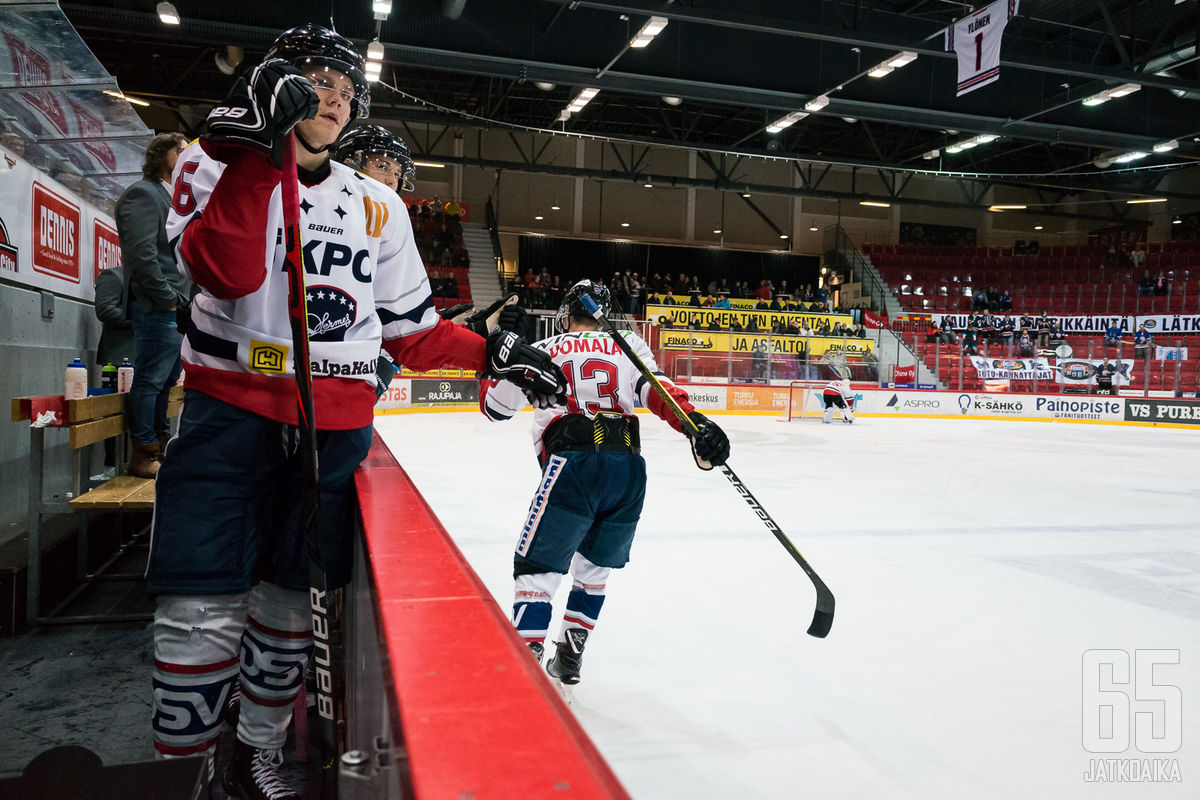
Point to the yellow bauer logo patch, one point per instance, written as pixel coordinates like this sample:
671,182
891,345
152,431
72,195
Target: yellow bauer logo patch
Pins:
267,357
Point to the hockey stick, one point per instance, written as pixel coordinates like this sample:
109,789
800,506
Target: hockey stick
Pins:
823,616
326,630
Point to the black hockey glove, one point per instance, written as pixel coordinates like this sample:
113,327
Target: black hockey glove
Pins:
261,110
504,314
478,322
510,358
710,445
513,318
457,313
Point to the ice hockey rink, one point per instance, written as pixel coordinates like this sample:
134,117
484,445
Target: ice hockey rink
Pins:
973,562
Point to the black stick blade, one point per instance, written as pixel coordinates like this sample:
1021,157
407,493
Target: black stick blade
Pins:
823,617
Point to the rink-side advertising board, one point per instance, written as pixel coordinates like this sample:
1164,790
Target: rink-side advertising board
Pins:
1156,410
444,392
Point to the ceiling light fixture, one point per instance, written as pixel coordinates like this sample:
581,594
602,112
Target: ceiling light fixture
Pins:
1177,221
555,206
967,144
1111,94
375,50
672,101
1166,147
545,86
1133,155
1037,227
932,154
813,226
653,27
381,8
783,236
624,224
167,14
1145,200
538,217
716,230
874,204
884,68
432,164
582,99
786,121
1012,207
817,103
373,70
881,71
122,96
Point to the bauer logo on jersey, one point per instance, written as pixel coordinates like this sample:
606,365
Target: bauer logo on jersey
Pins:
538,506
268,357
331,312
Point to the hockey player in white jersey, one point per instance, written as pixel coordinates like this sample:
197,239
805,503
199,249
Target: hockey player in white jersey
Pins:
586,508
380,154
228,560
838,394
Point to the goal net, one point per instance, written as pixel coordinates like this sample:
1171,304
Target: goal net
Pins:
804,401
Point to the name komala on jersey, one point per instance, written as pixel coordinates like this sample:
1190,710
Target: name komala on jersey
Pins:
976,40
365,283
599,377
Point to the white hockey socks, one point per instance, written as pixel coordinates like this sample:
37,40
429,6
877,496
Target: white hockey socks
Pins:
195,664
588,582
827,417
533,594
274,653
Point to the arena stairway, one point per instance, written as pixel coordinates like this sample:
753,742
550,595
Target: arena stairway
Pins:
485,278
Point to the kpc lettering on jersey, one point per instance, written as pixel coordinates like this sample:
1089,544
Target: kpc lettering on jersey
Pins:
976,40
599,378
364,278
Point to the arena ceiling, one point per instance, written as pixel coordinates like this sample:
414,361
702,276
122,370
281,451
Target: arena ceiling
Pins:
735,67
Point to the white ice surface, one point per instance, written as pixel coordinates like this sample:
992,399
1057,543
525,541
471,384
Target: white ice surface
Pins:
973,564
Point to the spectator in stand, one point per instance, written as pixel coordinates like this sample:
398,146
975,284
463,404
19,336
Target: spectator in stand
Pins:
1145,286
969,345
860,331
991,326
1043,330
1025,345
694,299
1141,342
712,286
723,288
980,299
1161,285
1034,248
709,302
1057,336
1104,377
1113,334
763,292
975,325
783,289
823,328
668,300
789,327
777,304
414,209
947,329
752,324
554,293
714,325
762,305
735,325
722,300
453,211
1005,301
779,327
1007,330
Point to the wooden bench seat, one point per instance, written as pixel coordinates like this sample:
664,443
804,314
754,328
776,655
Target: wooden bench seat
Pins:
123,491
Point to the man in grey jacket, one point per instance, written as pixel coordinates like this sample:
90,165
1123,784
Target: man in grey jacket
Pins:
157,293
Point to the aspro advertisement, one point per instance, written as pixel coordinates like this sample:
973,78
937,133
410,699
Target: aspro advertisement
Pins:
50,238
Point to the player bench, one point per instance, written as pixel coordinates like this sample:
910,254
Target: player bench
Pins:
88,421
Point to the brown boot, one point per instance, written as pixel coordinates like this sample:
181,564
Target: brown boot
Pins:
145,460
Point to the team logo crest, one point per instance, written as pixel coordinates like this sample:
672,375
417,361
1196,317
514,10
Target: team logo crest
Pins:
267,357
331,312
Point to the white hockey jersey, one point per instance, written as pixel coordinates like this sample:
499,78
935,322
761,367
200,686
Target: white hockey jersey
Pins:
599,378
365,284
976,40
841,387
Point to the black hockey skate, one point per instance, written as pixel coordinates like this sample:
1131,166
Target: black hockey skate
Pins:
568,657
253,774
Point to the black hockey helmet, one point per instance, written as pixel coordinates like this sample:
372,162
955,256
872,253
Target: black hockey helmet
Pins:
358,143
572,304
311,44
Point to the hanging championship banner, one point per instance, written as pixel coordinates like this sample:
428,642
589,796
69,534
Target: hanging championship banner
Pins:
1020,369
1170,353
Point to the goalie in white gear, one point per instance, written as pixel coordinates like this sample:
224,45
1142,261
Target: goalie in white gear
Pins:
586,508
838,393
